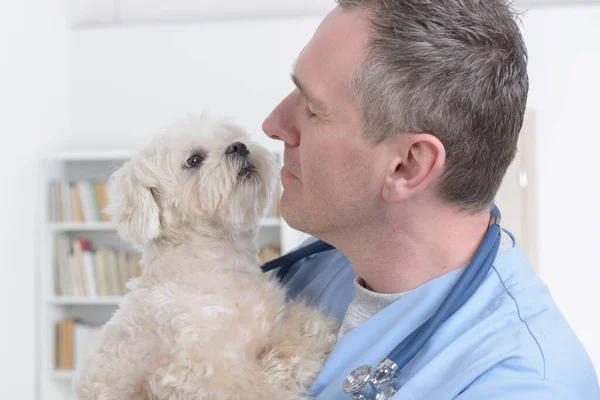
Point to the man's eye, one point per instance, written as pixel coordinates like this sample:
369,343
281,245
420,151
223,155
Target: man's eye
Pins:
194,161
309,113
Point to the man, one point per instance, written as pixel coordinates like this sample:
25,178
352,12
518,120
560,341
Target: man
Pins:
405,118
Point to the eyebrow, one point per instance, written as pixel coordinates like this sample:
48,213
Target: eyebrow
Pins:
313,100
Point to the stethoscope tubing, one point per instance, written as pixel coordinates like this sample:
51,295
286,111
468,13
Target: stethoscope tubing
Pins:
467,284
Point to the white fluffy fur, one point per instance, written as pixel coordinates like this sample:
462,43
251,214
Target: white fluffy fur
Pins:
201,322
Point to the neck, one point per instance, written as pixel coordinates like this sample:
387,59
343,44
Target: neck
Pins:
402,252
212,245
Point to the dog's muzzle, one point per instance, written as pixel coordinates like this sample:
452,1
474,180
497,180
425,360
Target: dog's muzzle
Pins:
237,149
240,155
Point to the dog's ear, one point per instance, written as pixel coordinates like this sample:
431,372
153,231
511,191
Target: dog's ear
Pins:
131,203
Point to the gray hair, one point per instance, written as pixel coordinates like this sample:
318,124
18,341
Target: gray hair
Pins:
456,69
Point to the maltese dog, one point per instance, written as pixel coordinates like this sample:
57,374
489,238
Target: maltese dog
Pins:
202,321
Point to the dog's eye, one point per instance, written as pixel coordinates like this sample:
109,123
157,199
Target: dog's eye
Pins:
194,161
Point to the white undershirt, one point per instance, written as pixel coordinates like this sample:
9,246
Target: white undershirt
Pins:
367,303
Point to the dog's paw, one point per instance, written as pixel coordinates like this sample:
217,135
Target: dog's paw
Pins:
300,346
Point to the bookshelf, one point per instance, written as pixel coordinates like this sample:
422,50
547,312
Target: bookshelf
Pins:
83,264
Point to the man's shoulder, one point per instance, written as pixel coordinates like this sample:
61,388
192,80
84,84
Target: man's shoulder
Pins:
543,342
509,341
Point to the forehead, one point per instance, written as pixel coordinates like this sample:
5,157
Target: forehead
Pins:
337,49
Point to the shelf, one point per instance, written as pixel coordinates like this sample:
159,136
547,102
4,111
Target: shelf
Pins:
86,300
65,375
106,226
108,155
81,226
112,155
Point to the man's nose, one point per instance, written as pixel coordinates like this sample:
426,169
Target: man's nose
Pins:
281,124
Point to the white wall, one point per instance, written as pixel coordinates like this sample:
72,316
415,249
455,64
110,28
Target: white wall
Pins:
565,84
127,81
119,85
33,99
102,12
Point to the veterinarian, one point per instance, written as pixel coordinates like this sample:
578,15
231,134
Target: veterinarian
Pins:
404,119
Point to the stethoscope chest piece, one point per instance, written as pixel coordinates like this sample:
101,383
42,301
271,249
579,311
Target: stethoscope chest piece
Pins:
364,383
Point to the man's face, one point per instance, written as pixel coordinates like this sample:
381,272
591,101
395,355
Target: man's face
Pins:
332,177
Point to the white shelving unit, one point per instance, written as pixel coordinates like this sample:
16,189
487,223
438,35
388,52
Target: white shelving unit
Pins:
53,383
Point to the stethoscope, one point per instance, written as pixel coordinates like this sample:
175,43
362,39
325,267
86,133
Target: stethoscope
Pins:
380,383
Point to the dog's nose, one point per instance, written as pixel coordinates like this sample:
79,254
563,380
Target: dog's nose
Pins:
237,147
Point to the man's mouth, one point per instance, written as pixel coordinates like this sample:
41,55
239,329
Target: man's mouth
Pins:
286,174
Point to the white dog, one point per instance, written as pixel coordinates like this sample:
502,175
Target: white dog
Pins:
202,322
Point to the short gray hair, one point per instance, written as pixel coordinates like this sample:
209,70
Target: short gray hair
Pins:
456,69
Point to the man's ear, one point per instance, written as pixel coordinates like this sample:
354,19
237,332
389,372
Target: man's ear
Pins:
419,159
131,204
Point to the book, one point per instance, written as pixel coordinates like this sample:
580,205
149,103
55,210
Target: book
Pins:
84,270
77,201
74,340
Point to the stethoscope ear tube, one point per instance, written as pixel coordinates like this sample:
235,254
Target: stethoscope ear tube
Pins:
285,262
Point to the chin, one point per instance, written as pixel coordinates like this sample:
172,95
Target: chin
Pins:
296,216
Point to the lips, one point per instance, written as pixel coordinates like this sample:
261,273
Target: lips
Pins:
291,165
287,174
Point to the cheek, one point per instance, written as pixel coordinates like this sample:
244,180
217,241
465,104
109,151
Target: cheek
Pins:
191,196
187,199
336,173
356,179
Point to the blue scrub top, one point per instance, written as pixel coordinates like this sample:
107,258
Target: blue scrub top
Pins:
509,341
